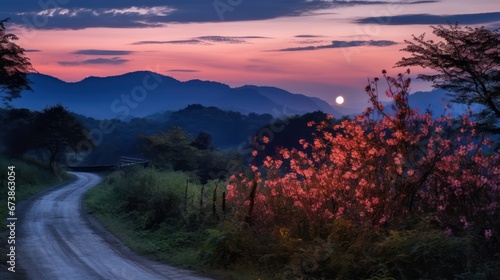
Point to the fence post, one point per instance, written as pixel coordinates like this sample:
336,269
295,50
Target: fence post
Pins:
214,201
202,196
186,196
224,203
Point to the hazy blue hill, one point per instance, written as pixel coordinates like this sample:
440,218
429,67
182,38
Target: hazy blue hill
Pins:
296,103
436,102
34,100
228,129
112,97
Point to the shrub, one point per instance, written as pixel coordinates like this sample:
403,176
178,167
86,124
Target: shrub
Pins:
387,172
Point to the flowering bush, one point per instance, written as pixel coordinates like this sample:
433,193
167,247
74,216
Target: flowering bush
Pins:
380,168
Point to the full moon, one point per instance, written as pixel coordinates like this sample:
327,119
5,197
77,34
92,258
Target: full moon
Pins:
339,100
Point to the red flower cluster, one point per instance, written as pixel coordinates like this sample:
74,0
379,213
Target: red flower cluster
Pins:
379,168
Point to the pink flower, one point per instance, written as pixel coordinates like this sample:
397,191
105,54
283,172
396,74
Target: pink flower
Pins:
382,220
488,234
265,139
286,154
448,232
254,168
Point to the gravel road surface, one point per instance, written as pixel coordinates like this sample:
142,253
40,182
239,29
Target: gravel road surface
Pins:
58,240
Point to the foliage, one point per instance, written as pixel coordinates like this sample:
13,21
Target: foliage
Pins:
228,128
380,170
52,132
176,151
31,178
149,210
467,63
14,66
115,138
151,198
172,147
283,133
56,131
203,141
18,127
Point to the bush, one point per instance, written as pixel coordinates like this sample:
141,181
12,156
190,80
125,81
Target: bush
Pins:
388,172
31,177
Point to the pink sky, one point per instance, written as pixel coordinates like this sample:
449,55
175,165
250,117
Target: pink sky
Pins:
324,73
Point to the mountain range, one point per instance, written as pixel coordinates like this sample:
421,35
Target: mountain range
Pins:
143,93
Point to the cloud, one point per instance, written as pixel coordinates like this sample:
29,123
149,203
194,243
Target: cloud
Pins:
183,70
228,39
342,44
32,51
81,17
205,40
303,42
181,42
108,61
102,52
427,19
154,13
307,36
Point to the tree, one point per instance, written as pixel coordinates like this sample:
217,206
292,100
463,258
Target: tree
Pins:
467,63
170,148
17,133
382,168
14,66
56,131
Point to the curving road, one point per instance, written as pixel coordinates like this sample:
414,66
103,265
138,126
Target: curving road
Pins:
59,241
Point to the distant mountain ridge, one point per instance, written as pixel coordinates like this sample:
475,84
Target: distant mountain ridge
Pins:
438,101
142,93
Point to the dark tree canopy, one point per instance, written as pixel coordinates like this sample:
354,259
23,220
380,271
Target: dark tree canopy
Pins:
17,131
170,148
48,134
14,66
467,62
57,131
203,141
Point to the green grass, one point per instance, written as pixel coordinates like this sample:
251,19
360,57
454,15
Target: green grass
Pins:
31,177
121,204
168,243
145,209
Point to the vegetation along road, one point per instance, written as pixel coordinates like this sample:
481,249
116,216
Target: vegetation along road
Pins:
60,241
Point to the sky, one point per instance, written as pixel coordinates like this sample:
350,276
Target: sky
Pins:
317,48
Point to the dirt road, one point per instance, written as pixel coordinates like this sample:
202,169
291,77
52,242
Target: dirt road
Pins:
59,241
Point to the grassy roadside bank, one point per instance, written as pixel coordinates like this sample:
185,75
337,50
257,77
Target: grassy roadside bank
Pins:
31,177
151,212
147,211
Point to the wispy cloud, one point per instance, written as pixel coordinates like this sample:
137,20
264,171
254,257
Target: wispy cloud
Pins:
180,42
107,61
205,40
308,36
229,39
303,42
342,44
102,52
155,13
32,51
80,15
480,18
